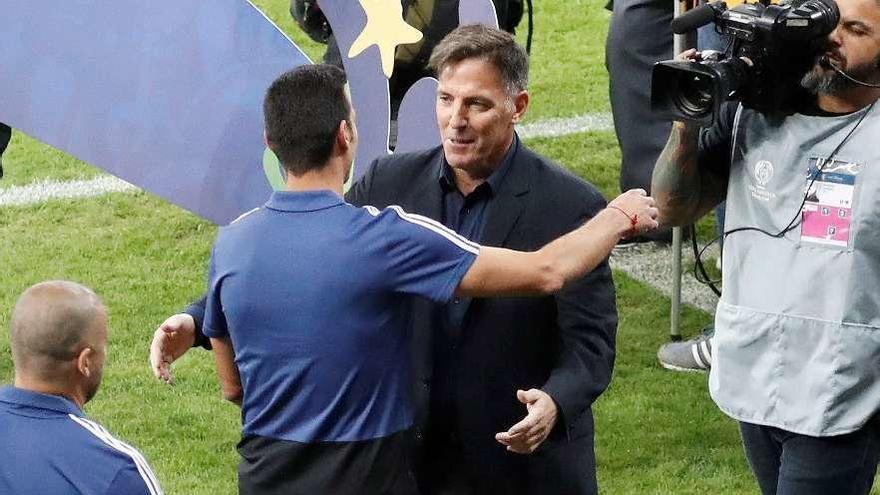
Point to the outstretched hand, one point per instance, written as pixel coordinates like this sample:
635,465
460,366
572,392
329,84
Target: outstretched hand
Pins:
527,435
639,208
170,341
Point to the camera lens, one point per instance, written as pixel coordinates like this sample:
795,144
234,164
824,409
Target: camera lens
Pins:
695,97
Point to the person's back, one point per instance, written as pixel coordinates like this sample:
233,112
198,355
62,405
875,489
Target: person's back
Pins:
50,447
58,338
311,292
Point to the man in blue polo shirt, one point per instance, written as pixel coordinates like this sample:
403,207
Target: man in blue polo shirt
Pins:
59,345
305,305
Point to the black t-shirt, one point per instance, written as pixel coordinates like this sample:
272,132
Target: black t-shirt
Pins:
715,142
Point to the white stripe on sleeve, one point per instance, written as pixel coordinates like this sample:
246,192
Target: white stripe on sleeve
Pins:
140,462
439,228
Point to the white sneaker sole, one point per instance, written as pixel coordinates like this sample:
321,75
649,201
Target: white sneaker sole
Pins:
679,368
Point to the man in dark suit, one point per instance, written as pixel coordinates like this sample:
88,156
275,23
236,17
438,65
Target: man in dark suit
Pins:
504,386
508,381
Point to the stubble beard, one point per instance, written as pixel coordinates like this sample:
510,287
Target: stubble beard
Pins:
824,79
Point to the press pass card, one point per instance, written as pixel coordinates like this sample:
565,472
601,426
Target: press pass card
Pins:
828,209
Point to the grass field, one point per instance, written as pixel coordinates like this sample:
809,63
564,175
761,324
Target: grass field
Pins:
657,432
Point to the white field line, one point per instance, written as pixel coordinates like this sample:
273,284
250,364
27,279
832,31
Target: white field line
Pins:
41,192
564,127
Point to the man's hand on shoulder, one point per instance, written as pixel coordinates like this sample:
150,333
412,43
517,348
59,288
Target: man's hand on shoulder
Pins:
170,341
527,435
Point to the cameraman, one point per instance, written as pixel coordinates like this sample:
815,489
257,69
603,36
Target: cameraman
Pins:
797,341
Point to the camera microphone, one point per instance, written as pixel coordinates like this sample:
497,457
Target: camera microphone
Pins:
694,18
828,63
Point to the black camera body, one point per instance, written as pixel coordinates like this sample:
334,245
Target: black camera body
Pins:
770,48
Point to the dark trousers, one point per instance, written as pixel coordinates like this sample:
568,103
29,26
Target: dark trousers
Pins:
638,36
787,463
485,468
381,466
5,136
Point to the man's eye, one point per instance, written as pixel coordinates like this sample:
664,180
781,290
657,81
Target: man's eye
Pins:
857,30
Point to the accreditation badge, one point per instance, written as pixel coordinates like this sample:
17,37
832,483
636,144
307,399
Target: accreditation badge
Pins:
828,209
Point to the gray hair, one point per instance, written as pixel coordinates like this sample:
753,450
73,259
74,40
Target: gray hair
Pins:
481,42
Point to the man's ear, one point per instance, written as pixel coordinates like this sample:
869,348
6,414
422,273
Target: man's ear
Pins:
85,361
343,136
520,105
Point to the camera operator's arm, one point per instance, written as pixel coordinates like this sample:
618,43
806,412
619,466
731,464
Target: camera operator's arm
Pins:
685,190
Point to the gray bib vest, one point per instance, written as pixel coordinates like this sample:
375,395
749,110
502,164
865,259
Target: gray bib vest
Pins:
797,342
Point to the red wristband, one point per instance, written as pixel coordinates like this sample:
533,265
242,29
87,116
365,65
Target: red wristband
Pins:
633,220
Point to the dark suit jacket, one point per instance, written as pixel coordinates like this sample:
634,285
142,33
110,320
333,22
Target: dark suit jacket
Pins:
563,345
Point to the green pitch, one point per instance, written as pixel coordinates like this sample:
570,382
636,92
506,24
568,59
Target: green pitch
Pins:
657,431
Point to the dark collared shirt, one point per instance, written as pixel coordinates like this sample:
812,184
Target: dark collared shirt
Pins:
466,215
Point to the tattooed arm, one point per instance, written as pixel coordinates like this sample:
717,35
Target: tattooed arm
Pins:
684,185
690,176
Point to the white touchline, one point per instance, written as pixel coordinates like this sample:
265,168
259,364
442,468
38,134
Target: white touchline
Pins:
41,192
566,126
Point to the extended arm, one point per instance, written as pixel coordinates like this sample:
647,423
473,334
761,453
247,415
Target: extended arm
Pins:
499,271
685,190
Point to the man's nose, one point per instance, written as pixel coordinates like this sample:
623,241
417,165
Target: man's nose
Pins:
833,40
458,119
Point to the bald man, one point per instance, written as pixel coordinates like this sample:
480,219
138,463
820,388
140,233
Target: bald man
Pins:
59,345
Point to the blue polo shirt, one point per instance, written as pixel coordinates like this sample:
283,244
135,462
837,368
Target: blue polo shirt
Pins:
311,291
47,445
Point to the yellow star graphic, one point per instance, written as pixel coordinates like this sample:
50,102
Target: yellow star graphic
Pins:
386,29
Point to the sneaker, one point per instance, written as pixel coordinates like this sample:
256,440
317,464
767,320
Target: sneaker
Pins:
693,355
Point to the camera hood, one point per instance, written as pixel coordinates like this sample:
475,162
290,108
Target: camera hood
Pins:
692,91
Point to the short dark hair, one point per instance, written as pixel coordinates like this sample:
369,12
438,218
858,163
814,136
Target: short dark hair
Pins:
303,109
489,44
